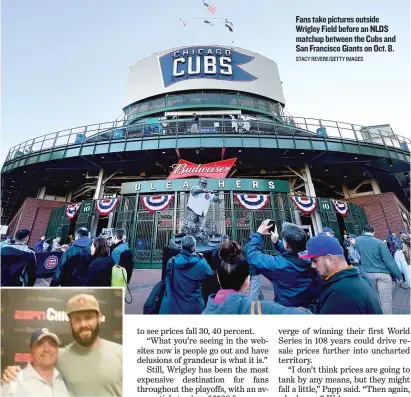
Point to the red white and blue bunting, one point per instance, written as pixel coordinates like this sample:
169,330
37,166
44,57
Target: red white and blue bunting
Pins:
71,211
156,203
104,207
341,207
306,205
252,201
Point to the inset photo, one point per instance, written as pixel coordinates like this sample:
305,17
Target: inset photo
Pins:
62,342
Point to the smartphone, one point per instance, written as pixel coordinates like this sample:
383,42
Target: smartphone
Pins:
271,223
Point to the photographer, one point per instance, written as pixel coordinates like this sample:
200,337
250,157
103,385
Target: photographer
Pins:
295,283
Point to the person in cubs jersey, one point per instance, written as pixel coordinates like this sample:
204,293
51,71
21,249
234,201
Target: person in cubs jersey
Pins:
198,205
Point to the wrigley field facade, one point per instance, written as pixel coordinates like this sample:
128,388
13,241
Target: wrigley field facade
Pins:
216,112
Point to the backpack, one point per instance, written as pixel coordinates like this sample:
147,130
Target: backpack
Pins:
119,279
258,308
154,300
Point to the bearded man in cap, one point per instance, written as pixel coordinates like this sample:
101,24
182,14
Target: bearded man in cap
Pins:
90,365
344,290
40,377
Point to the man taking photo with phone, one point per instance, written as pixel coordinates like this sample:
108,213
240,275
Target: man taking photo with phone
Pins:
295,283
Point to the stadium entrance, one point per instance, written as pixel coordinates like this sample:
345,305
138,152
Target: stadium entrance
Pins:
151,214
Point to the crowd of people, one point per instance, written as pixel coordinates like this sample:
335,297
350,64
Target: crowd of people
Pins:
318,276
86,262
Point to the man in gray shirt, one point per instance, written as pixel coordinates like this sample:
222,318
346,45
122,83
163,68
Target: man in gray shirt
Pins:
378,265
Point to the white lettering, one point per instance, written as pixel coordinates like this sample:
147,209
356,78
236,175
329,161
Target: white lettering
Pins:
152,187
255,184
221,184
185,52
210,51
168,185
238,184
54,315
218,51
185,185
190,65
60,315
176,53
200,51
271,185
226,68
179,169
228,52
210,65
137,187
175,66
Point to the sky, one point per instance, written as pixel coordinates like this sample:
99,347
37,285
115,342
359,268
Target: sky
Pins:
65,63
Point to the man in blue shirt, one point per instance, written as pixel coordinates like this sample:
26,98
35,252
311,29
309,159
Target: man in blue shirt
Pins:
295,283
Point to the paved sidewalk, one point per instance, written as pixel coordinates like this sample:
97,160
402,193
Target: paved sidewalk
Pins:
143,281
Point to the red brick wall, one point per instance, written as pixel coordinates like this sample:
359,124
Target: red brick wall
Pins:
382,213
35,215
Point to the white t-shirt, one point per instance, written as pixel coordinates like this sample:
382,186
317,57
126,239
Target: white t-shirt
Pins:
200,203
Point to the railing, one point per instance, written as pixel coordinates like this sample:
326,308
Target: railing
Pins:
285,126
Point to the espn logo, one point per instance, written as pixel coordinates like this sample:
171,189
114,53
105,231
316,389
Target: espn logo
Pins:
22,357
29,315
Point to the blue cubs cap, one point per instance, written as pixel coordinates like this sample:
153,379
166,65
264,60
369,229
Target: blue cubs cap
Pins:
352,236
327,229
403,232
322,245
41,333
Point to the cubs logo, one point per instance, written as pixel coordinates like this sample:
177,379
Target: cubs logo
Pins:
51,262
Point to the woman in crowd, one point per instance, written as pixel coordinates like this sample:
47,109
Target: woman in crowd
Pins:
233,298
402,258
99,270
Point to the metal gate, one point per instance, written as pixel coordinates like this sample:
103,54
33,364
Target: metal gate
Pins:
58,225
85,214
150,232
329,216
353,222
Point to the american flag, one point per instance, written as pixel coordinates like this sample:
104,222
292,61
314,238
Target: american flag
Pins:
211,9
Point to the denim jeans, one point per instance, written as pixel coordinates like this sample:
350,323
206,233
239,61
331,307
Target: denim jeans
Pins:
255,288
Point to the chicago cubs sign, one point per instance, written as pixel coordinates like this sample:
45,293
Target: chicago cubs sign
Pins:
204,63
51,262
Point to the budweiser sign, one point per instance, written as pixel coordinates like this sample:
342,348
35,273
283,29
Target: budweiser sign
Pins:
218,169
